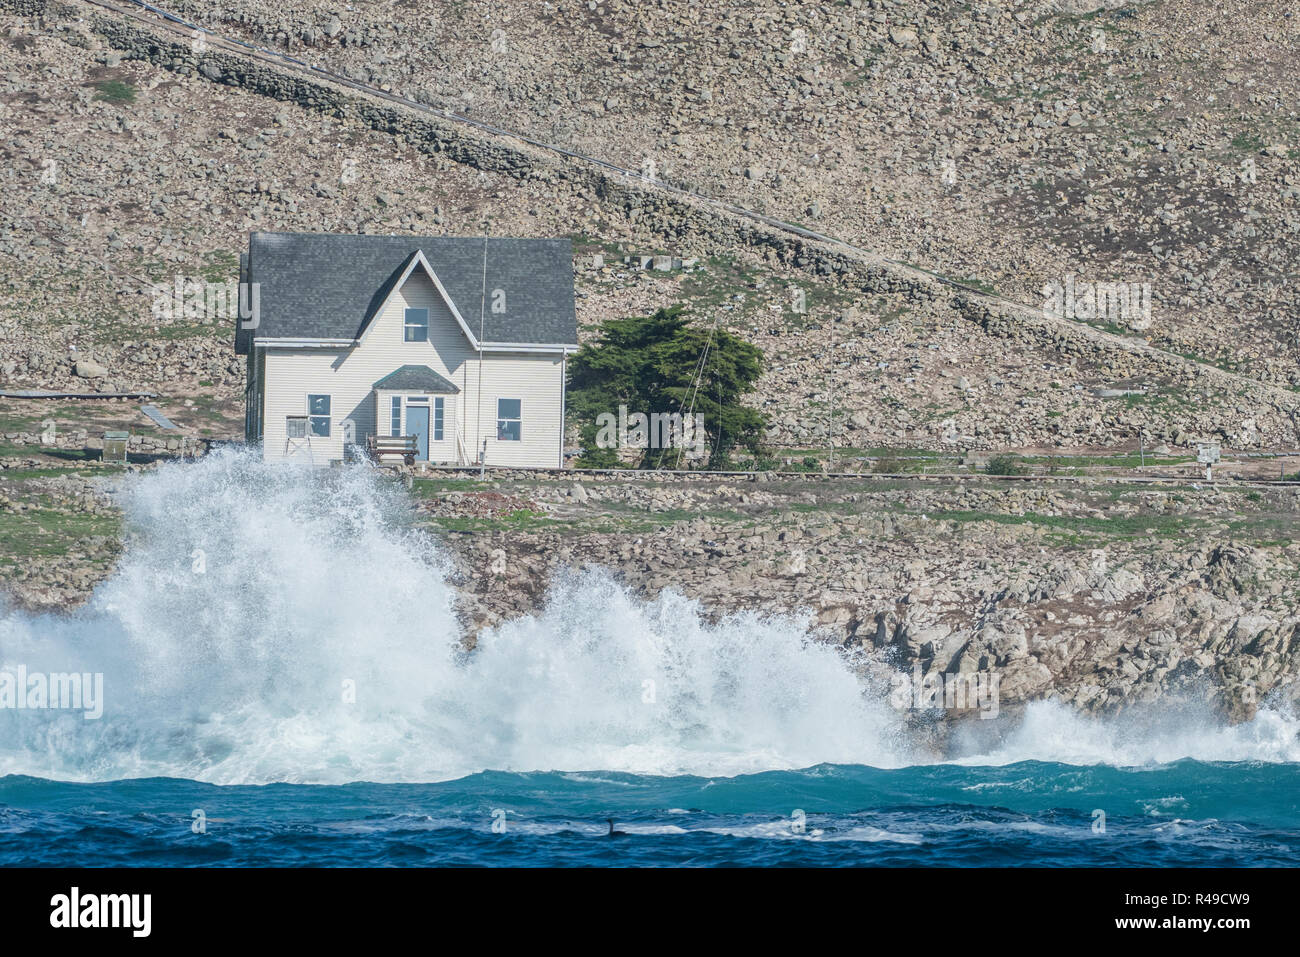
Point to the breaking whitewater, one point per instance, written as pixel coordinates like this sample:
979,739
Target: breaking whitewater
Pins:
270,626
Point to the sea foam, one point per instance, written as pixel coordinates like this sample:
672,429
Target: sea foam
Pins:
273,624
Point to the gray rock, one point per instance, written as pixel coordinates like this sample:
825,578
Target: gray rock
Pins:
903,37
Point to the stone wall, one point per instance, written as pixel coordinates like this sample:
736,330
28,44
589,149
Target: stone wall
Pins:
81,439
24,8
681,217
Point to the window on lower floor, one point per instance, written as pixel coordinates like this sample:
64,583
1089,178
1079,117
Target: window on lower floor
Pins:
395,423
318,412
509,420
437,420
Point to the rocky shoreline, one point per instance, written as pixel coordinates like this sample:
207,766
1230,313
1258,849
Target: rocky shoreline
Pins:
1101,597
1104,596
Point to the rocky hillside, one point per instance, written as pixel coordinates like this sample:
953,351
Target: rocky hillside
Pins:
132,161
1011,144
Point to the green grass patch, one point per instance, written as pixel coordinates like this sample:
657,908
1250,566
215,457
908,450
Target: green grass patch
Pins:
8,449
426,487
115,91
1125,459
1133,526
1247,142
220,266
521,520
49,533
51,472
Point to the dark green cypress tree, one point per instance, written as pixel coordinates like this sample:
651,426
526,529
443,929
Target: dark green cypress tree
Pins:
650,364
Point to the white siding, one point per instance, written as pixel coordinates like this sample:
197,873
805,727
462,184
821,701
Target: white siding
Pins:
348,377
290,375
537,382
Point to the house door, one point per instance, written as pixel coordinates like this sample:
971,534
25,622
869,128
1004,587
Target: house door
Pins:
417,424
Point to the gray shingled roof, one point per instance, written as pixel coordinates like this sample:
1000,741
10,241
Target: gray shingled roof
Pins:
327,286
415,378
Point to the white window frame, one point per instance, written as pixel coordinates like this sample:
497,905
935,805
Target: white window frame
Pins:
408,327
312,417
502,419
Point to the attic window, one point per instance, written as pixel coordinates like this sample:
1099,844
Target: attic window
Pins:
417,325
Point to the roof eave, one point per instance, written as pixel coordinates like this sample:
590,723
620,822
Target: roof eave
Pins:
564,347
301,342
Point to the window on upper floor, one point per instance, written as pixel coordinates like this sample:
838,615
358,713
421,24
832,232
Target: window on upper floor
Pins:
417,325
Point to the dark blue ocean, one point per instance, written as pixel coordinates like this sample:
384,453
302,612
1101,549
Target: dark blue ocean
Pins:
1187,813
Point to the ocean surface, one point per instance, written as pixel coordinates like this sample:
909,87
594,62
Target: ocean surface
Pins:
276,677
1189,813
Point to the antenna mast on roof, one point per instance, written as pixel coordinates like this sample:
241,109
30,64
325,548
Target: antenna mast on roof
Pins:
482,309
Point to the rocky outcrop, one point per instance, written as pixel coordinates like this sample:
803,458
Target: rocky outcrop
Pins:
1102,601
1101,597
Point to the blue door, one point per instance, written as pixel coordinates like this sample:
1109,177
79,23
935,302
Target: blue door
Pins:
417,424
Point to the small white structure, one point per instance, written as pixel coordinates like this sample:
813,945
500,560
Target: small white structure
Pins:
459,343
1208,454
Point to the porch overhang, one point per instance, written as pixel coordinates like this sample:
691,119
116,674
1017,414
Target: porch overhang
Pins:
418,379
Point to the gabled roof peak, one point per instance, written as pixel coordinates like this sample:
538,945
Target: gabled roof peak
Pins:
399,279
328,286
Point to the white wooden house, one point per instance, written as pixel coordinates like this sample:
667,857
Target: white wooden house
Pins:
459,342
